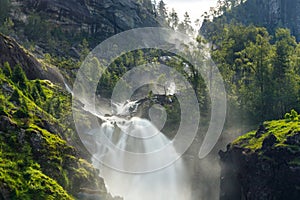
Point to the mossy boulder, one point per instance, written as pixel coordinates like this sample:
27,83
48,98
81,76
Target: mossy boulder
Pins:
263,164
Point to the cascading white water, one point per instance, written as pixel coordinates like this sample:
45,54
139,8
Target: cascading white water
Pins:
67,87
139,136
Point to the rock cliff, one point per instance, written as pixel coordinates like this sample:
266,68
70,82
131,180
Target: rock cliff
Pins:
101,18
14,54
271,14
60,27
263,164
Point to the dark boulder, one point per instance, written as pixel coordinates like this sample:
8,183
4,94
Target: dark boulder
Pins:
269,141
6,124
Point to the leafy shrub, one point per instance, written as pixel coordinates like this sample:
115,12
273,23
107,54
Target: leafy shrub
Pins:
7,70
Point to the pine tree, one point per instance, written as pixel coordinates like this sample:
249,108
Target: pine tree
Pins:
7,70
162,13
19,77
284,76
84,49
255,86
35,94
40,89
173,19
188,23
15,97
186,26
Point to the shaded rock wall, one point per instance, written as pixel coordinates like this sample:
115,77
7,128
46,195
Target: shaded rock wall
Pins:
97,17
268,13
270,173
14,54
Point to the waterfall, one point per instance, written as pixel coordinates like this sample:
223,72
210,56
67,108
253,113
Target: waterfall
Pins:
141,136
67,87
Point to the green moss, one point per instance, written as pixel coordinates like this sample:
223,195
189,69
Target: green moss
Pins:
29,183
40,182
20,174
52,140
38,163
281,129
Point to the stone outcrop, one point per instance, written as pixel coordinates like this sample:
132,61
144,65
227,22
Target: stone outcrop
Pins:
95,17
14,54
268,172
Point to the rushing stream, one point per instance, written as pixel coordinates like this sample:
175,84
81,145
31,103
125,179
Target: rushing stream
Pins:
141,136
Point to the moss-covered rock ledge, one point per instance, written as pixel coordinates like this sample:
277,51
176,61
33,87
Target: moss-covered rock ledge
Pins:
264,164
39,158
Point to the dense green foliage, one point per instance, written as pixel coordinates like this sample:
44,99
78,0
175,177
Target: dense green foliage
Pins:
260,65
261,71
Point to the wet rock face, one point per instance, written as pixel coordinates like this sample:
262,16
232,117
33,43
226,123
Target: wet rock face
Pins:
270,174
100,17
285,13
